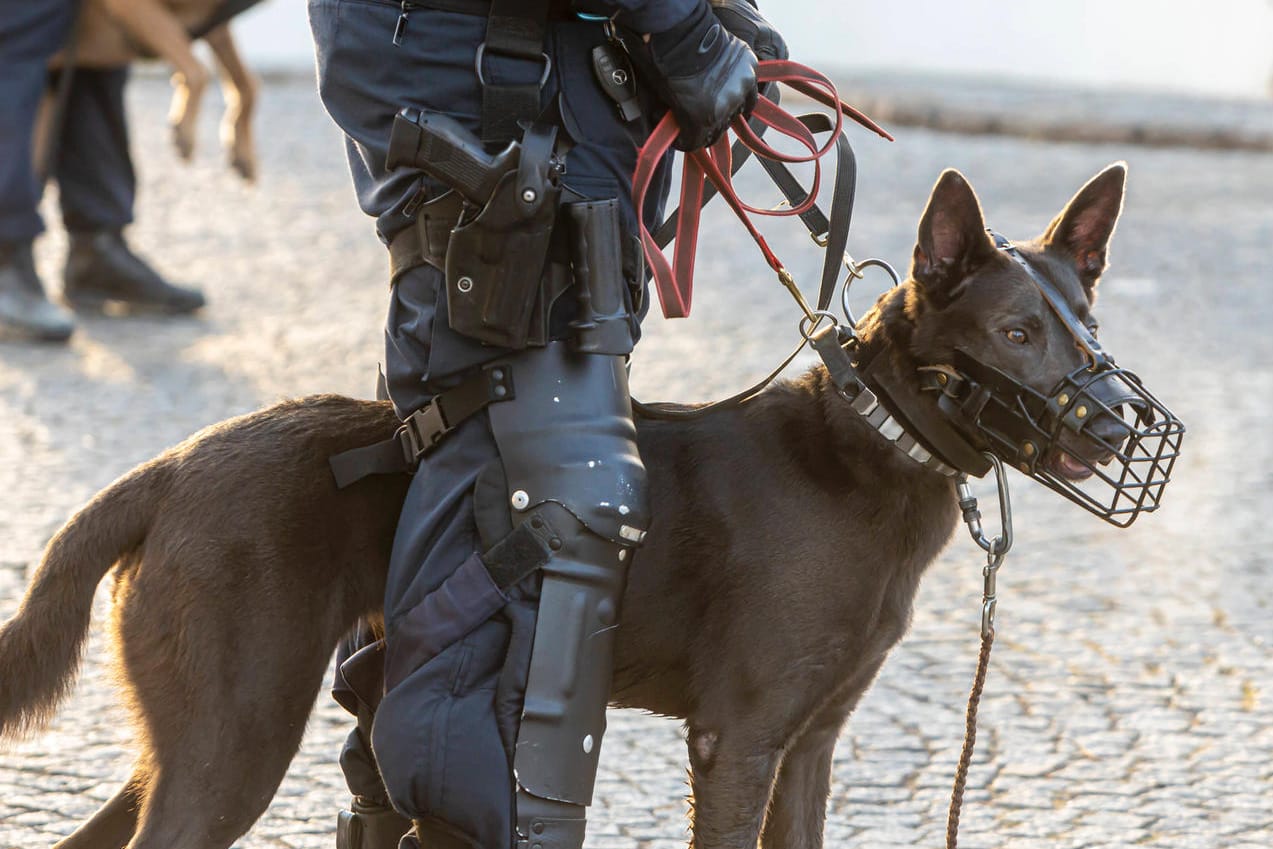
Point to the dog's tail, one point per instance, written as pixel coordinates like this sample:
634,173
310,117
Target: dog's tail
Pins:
40,646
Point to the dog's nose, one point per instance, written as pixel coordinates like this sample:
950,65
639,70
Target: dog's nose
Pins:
1109,429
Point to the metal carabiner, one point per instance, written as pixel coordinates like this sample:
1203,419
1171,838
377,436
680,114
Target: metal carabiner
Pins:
998,546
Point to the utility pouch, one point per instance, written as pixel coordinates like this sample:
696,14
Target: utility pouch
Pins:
604,322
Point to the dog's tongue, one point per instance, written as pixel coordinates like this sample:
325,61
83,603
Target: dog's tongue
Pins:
1068,467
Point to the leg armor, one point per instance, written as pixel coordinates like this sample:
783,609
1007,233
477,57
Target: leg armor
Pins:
568,448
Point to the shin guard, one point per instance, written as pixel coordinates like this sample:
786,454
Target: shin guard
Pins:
568,448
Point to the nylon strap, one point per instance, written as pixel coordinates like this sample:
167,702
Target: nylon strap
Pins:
1086,341
424,429
515,28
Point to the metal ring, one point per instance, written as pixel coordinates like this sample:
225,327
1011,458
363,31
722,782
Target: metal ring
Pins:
855,270
816,316
481,52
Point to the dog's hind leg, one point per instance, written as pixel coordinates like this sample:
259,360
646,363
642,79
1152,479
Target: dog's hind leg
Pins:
220,756
239,87
153,24
114,824
224,660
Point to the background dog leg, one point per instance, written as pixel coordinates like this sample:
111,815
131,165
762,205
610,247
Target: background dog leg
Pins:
731,778
239,87
153,24
114,824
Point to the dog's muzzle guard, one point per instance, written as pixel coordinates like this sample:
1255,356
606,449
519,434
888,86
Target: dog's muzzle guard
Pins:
1099,437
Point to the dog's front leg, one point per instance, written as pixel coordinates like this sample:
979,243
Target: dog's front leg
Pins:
797,814
731,777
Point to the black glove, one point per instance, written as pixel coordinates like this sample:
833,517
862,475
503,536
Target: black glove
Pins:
743,19
703,73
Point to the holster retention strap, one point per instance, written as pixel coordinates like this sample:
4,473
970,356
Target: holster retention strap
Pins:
422,430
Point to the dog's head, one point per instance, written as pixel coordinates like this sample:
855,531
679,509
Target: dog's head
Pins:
1004,336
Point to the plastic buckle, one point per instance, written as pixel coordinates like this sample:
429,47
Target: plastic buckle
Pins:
481,53
422,430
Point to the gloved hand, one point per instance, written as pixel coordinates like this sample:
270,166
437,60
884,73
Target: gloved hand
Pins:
703,73
743,19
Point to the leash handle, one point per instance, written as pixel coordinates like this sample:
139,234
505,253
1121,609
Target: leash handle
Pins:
673,281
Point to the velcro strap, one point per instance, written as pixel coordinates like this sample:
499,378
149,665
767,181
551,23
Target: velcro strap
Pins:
520,553
425,428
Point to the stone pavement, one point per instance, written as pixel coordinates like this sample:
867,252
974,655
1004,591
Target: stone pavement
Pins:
1128,702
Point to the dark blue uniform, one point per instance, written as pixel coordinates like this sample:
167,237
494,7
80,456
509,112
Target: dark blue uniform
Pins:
93,169
364,80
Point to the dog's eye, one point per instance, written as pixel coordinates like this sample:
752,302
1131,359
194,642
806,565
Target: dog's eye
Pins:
1016,336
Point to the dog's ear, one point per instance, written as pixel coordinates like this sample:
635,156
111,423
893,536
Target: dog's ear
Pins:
1082,231
952,238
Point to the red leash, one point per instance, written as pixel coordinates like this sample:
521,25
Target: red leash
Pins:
674,281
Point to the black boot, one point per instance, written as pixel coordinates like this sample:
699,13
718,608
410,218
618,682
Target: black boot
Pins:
25,313
101,270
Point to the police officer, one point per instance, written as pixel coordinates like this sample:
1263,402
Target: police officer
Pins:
95,181
517,286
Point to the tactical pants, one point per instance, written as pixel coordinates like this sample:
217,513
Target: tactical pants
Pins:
364,79
93,169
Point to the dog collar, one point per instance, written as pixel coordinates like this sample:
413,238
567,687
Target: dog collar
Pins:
938,447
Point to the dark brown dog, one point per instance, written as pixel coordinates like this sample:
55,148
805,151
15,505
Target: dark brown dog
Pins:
780,571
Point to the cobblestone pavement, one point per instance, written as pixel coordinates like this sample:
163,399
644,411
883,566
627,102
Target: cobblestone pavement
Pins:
1128,699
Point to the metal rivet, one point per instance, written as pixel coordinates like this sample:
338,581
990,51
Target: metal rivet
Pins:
623,554
520,500
1063,399
1028,449
529,195
554,544
536,522
497,374
538,827
942,378
1081,412
464,284
1025,467
587,744
501,391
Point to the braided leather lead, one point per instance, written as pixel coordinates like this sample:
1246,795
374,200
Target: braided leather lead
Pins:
970,740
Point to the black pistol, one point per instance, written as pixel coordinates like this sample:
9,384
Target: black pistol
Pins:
444,149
